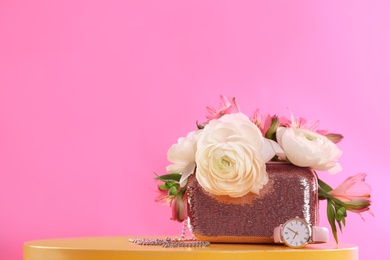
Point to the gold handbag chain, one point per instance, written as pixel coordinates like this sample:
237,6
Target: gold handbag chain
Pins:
169,242
181,241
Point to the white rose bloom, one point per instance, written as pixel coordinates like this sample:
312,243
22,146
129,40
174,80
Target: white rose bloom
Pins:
229,157
305,148
182,155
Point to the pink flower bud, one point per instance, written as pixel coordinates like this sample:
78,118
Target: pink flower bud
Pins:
179,206
355,193
358,205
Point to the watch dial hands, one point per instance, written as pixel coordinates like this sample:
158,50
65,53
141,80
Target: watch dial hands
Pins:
295,232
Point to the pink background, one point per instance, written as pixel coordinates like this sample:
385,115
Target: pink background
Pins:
93,93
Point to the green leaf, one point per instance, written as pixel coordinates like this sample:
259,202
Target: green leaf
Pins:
169,177
324,186
340,226
343,220
331,219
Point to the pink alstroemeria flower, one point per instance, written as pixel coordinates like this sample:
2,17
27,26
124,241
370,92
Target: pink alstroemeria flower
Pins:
163,198
355,193
179,206
261,121
226,106
303,123
312,126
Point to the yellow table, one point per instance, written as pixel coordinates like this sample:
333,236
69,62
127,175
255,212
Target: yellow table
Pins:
119,248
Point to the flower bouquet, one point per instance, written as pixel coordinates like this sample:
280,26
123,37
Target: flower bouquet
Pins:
263,163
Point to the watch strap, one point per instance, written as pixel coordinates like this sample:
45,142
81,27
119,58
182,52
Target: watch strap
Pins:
319,235
277,235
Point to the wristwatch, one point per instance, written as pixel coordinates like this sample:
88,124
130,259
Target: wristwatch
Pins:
297,233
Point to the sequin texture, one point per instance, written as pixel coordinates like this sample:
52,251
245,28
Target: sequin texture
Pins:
291,191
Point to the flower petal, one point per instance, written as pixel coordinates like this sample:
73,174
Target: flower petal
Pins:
270,149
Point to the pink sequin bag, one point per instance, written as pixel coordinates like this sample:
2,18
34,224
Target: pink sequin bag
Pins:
291,191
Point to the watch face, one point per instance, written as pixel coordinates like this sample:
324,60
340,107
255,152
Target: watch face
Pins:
296,233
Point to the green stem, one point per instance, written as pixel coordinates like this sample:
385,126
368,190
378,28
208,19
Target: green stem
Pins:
327,196
181,191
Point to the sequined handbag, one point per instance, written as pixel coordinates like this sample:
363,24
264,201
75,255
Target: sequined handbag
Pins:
291,191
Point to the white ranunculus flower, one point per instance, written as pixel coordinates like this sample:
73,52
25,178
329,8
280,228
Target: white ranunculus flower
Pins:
229,157
182,155
305,148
